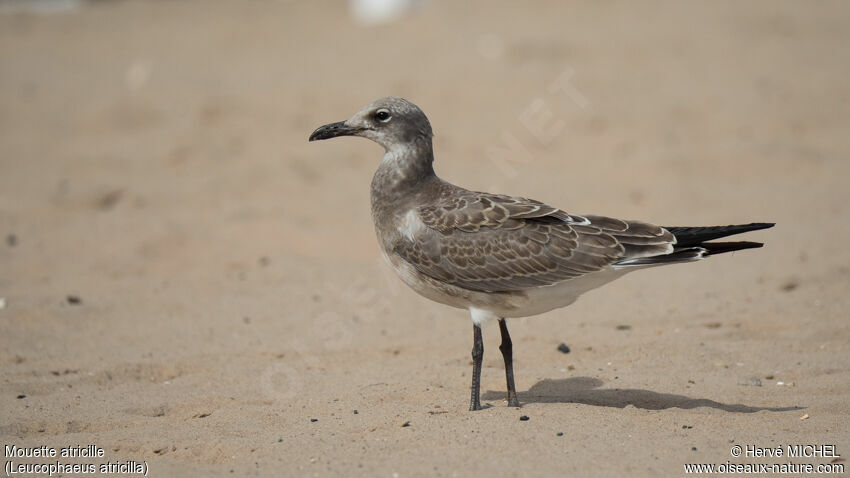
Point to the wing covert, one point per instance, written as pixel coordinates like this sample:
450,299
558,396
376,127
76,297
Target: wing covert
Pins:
494,243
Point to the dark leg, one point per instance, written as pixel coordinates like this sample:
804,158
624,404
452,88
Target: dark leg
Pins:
507,349
477,357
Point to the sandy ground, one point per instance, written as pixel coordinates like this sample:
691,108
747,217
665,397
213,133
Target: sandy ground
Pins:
233,317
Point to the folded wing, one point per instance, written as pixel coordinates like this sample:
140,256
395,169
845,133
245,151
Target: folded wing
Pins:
494,243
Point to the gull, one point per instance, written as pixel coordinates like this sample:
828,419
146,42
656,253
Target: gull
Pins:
499,256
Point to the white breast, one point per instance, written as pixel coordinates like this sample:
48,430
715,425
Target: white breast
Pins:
411,225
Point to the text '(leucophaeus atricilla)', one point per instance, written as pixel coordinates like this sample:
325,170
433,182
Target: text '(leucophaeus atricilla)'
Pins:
499,256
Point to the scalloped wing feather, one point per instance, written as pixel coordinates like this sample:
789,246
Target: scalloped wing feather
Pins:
494,243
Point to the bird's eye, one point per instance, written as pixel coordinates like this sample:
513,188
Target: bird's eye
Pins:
383,115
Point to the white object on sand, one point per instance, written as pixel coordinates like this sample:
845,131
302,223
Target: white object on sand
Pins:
371,12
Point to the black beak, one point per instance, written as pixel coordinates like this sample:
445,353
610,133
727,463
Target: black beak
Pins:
333,130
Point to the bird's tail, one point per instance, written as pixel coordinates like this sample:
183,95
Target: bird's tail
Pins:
692,244
695,236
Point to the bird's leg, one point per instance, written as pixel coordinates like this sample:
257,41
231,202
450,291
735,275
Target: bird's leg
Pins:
477,357
507,349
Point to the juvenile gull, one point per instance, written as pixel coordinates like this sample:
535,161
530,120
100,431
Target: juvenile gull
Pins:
499,256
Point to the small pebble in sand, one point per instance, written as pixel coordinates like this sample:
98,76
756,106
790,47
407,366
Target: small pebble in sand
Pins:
563,348
21,396
693,448
356,412
624,327
313,420
804,417
524,418
405,424
560,434
750,382
74,300
790,285
686,427
2,303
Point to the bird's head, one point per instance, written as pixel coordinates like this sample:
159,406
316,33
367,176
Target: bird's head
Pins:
392,122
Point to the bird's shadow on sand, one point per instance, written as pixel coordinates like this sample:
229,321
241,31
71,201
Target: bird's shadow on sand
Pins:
586,390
